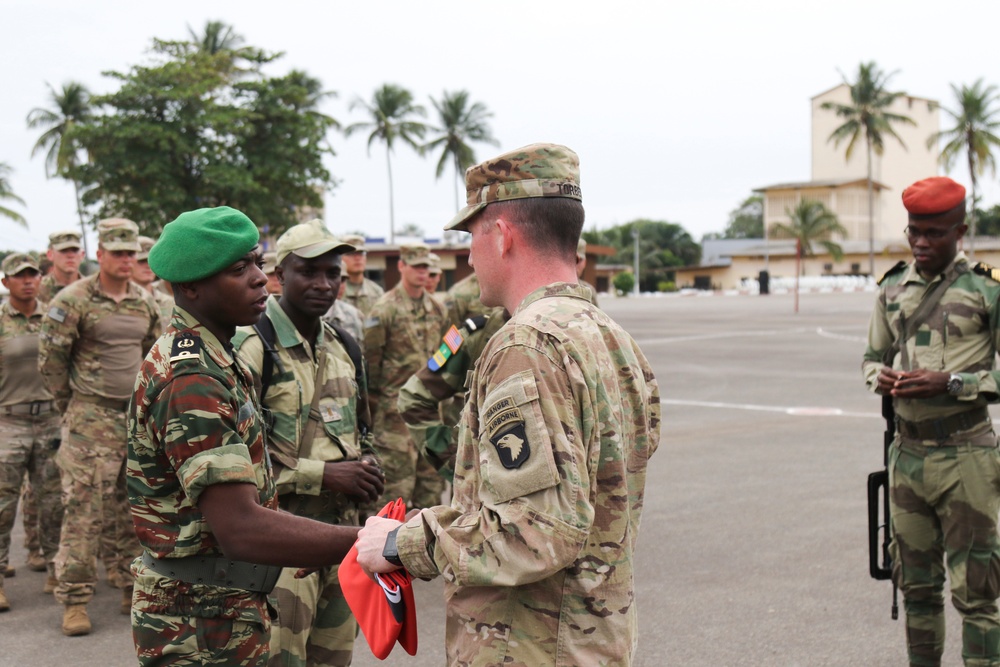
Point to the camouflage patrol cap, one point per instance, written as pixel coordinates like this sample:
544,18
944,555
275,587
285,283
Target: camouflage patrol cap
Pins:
16,262
357,241
538,170
415,255
434,265
65,239
118,234
145,245
308,239
202,242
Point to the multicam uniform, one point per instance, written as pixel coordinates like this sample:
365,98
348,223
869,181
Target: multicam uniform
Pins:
400,334
462,300
537,547
48,288
315,625
421,397
363,296
348,318
944,464
91,348
194,421
29,432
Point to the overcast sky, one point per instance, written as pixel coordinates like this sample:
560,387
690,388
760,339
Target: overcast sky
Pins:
677,110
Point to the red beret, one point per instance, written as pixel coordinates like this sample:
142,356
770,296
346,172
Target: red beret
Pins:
385,609
933,196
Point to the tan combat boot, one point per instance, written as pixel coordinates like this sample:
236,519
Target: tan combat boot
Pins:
36,562
75,620
4,602
50,584
9,571
127,601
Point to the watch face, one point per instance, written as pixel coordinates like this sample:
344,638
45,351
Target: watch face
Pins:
955,386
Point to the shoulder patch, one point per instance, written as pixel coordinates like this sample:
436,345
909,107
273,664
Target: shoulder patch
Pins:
449,345
186,346
57,313
504,426
984,269
371,322
900,265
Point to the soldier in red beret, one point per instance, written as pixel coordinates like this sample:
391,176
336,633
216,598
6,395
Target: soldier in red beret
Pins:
932,346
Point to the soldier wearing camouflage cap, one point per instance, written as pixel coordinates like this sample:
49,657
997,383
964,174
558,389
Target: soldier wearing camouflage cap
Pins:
581,266
433,277
932,345
361,292
144,277
93,338
29,423
199,479
65,254
563,414
403,328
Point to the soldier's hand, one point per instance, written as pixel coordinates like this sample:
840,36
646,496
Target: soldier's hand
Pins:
362,480
921,383
887,380
370,542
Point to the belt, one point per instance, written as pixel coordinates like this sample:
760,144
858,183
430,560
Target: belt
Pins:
120,404
220,572
944,428
31,408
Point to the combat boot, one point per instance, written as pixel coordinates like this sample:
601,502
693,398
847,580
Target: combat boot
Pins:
50,584
8,570
75,620
127,601
4,602
36,562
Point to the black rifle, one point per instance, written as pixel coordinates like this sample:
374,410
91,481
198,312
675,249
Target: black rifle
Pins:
879,561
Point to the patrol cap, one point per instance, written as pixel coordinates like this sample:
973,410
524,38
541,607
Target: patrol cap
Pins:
581,248
538,170
308,239
202,242
933,196
145,245
118,234
356,240
16,262
434,267
269,262
415,255
65,239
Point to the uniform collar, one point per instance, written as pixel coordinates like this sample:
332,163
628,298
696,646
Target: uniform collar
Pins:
572,290
285,331
10,311
913,276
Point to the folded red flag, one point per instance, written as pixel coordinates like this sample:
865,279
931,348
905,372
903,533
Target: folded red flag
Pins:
384,608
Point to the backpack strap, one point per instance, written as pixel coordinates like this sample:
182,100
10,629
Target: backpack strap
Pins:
354,352
265,329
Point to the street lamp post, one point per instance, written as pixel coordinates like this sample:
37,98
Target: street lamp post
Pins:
635,252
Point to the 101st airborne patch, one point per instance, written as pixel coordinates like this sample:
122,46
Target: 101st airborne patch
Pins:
505,431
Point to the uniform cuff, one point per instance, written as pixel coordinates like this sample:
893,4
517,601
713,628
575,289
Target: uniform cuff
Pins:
411,545
309,477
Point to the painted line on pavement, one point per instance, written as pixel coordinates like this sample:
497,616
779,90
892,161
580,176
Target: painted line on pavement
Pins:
796,411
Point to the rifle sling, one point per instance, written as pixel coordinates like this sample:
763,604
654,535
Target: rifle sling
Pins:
910,325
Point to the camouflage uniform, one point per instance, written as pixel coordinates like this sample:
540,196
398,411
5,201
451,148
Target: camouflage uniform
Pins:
29,433
348,318
591,292
537,547
49,288
400,334
314,625
363,296
421,397
462,300
944,487
91,348
194,421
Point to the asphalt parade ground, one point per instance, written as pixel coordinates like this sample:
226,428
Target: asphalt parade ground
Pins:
753,545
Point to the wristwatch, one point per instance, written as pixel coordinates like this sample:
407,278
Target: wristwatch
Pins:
389,551
955,385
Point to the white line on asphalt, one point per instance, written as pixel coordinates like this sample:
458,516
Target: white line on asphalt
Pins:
829,334
731,334
798,411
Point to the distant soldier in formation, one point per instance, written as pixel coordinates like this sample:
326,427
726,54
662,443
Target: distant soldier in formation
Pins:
581,265
93,339
65,254
402,330
463,300
29,422
346,316
324,465
144,277
273,284
361,292
434,277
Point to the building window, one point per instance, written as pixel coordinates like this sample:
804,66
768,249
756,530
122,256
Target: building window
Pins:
855,268
828,268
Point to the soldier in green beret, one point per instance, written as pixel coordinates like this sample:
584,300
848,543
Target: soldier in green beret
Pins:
200,483
537,546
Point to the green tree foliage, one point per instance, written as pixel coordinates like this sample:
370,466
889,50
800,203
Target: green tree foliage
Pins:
197,128
811,222
624,282
868,117
747,220
662,247
460,124
977,120
391,114
7,193
988,220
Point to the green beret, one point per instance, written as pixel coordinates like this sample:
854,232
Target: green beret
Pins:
200,243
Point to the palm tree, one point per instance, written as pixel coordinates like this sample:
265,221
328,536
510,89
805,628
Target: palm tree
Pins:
217,36
391,110
6,192
868,115
70,106
810,222
460,124
976,124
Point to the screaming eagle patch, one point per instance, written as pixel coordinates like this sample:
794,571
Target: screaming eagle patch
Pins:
505,430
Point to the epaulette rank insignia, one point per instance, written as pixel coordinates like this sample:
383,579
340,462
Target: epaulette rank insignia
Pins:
186,346
449,346
984,269
897,267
